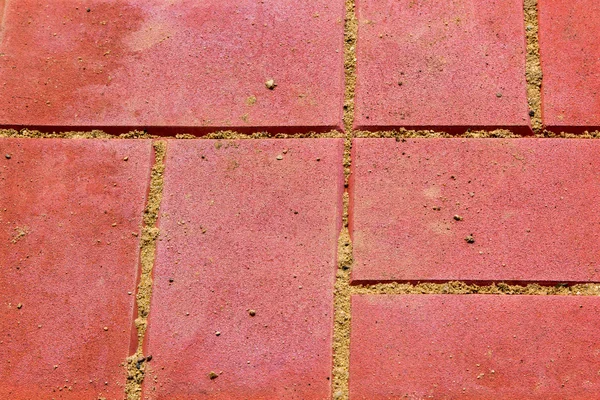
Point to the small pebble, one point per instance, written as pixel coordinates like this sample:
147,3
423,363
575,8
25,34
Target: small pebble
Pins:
279,157
125,158
19,306
213,375
106,328
470,239
252,313
458,218
270,84
217,333
8,156
498,95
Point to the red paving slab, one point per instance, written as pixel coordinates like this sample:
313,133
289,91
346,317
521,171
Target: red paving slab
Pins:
569,34
246,225
474,347
183,66
443,65
529,204
65,270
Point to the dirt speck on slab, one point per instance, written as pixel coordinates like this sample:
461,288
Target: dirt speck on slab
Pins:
270,84
20,233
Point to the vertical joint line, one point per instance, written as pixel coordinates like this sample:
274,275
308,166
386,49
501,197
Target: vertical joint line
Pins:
136,363
350,35
533,69
341,329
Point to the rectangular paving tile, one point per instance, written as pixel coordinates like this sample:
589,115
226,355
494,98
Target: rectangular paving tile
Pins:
242,303
448,65
478,210
569,34
177,66
69,210
483,347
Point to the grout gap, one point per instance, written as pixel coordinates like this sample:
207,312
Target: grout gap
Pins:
342,290
459,287
350,37
232,135
533,69
136,363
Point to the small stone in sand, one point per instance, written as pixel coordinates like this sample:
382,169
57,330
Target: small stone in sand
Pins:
270,84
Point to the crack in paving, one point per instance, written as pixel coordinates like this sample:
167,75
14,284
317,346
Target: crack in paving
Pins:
136,363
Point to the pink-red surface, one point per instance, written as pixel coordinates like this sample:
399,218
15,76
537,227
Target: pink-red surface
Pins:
530,206
247,227
482,347
69,210
570,58
184,66
448,65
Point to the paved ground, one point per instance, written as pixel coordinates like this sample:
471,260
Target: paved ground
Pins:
283,200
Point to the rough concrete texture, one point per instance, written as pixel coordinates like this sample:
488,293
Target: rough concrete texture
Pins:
479,210
569,38
446,65
70,214
483,347
242,303
230,317
167,66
